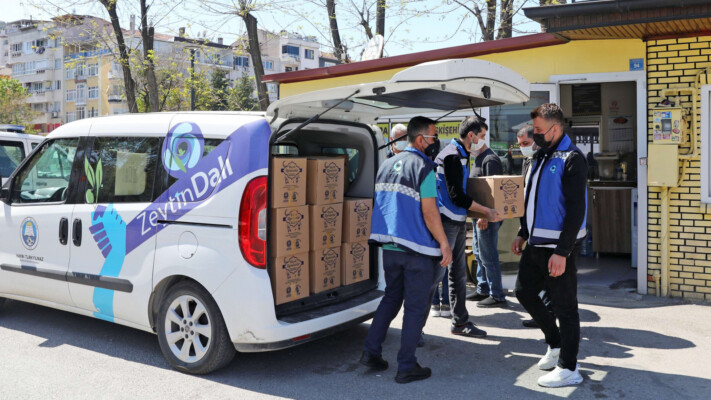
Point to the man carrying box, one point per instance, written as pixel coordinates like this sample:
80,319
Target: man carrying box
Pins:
489,289
406,223
554,226
453,201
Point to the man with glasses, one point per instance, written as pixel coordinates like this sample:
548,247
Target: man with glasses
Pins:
452,174
406,223
553,224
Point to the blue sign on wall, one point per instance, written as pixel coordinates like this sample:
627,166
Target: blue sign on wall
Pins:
636,64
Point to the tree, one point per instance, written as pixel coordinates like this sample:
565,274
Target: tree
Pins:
221,90
245,9
241,96
14,108
487,20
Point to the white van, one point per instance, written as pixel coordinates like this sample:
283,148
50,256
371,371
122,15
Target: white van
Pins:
158,221
14,147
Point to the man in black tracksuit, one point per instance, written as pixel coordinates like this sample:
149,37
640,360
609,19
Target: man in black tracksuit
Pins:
554,227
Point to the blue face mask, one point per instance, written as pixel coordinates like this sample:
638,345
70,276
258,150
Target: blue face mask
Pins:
401,145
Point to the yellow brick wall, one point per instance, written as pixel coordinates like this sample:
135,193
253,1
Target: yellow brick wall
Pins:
675,63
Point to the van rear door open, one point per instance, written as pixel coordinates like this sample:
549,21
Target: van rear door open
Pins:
430,87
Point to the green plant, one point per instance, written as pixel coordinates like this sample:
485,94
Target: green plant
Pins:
94,178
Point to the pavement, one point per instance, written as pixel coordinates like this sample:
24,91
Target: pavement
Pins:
633,347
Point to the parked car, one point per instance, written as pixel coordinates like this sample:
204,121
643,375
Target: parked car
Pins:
158,221
14,147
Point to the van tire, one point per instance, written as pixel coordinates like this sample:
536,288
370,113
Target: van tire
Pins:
202,310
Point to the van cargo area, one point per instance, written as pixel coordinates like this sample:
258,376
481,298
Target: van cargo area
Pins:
300,210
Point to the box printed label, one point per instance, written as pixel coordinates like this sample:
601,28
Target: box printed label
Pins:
291,171
293,219
293,266
362,211
331,170
330,217
358,251
330,259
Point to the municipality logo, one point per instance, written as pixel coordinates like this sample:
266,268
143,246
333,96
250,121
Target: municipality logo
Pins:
29,233
182,148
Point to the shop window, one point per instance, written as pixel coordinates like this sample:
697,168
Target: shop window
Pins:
127,171
504,121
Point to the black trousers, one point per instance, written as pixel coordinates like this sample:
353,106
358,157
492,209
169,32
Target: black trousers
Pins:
563,291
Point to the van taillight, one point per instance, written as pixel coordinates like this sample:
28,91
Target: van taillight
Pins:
253,222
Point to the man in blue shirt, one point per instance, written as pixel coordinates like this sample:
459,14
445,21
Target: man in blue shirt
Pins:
406,223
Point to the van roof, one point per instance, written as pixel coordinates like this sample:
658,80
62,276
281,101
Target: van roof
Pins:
15,135
155,124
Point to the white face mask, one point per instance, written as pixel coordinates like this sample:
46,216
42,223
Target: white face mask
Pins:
477,146
401,145
528,151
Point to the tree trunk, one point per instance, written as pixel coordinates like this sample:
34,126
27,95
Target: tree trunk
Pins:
505,20
147,35
338,48
129,84
255,52
490,20
380,19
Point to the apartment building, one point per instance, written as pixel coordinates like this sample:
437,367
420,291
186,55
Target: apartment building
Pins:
5,69
34,56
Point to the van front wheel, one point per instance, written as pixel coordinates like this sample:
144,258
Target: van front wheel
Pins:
191,332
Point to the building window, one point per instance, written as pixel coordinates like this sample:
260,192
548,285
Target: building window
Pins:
71,95
37,87
81,93
287,69
81,70
58,85
93,112
241,61
70,73
290,50
309,54
18,69
57,107
16,47
70,117
81,113
58,63
93,69
268,65
93,92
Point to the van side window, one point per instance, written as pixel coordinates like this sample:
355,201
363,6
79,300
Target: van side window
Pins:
121,170
45,177
353,159
11,153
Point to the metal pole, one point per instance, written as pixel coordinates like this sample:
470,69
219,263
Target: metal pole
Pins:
192,79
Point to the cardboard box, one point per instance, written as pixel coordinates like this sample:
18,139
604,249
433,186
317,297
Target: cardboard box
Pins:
355,262
289,230
503,192
326,225
288,181
325,269
290,280
356,219
325,180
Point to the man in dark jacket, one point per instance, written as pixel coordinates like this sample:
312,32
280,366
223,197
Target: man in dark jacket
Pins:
452,173
554,227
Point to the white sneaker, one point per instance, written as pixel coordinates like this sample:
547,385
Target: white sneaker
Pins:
550,360
561,377
435,311
445,311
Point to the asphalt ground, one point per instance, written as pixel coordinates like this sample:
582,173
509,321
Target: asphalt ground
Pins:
633,346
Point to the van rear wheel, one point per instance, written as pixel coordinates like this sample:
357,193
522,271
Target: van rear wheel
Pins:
191,332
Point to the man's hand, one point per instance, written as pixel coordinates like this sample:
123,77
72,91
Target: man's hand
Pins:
482,224
446,255
556,265
517,245
493,216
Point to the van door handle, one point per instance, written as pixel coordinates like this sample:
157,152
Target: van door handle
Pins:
63,230
76,232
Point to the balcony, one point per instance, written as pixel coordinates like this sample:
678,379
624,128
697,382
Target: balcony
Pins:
290,59
16,54
115,98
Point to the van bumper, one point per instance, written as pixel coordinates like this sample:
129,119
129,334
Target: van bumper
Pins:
283,344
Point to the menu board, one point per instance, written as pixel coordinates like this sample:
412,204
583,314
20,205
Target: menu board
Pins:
587,99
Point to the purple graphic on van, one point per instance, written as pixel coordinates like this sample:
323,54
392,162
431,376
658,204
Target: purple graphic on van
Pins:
243,152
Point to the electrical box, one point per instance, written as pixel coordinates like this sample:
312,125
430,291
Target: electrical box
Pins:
667,125
663,165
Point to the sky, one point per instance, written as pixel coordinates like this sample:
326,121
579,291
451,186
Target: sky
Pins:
443,25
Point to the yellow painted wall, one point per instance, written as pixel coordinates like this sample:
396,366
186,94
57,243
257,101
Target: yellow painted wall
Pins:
674,63
536,65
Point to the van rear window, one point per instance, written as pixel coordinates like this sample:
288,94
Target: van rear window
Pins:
353,159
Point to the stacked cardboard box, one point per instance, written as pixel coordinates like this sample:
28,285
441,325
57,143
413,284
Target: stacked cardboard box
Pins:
355,252
289,229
